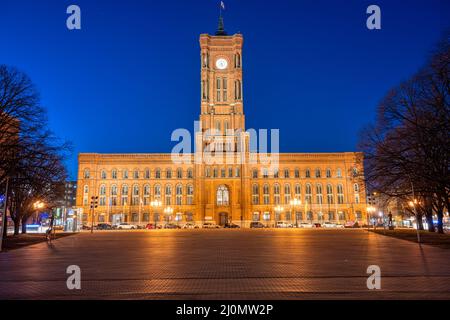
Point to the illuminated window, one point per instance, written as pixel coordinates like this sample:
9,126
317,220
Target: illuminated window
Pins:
330,198
255,194
308,194
179,195
276,194
287,193
190,194
223,196
87,174
319,194
266,194
124,195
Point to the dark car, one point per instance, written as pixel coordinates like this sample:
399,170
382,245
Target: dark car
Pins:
257,225
317,225
104,226
231,226
172,226
85,227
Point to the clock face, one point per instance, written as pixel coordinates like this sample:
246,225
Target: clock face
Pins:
221,64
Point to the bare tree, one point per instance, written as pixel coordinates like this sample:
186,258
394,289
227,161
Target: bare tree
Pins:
407,153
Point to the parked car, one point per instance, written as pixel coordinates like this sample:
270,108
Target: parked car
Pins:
210,225
256,224
151,226
329,224
104,226
305,225
283,224
172,226
317,225
85,227
339,226
190,225
351,224
231,226
125,226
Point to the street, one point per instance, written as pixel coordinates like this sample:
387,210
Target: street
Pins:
226,264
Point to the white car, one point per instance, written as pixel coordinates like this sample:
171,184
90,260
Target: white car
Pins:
329,225
125,226
305,225
190,225
283,224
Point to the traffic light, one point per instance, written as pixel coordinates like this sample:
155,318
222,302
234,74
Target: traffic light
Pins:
94,202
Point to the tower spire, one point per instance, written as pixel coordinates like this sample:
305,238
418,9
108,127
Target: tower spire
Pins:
221,29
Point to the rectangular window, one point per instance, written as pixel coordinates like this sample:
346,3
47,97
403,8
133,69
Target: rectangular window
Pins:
218,84
225,89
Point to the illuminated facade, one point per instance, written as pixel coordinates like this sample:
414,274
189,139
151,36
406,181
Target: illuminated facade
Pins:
152,188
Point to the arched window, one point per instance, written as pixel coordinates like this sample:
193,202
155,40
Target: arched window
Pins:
297,173
328,173
158,173
169,173
266,192
207,172
215,173
308,173
340,194
286,173
87,173
308,194
179,173
190,194
86,195
135,198
124,195
179,195
265,173
287,193
356,189
147,174
318,173
238,172
157,192
319,195
355,171
238,90
136,174
113,195
276,173
190,174
298,191
226,126
103,175
276,194
223,196
218,127
339,173
255,173
102,198
125,174
114,174
330,197
147,194
255,194
168,195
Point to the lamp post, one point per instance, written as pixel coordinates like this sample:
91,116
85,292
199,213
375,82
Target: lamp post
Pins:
294,203
278,209
413,205
370,211
155,204
168,211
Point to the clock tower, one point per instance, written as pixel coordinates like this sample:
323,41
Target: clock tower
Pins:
221,82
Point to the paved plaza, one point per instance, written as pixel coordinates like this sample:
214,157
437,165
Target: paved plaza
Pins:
226,264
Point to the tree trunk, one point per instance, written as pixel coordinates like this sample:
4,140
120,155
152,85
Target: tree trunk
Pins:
24,225
430,223
440,225
419,222
16,226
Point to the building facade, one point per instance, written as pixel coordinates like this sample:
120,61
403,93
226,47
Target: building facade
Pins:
224,180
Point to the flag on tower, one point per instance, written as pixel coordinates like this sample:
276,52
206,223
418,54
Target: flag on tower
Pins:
222,5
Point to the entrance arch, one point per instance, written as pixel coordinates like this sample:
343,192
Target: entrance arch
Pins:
223,218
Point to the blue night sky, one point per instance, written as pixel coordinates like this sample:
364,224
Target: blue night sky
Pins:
131,76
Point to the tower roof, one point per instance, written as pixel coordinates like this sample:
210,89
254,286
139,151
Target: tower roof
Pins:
221,29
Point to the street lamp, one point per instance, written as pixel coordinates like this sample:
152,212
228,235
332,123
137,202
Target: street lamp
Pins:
294,203
168,211
371,210
155,204
278,209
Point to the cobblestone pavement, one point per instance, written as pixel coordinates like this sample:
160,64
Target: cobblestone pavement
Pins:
226,264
